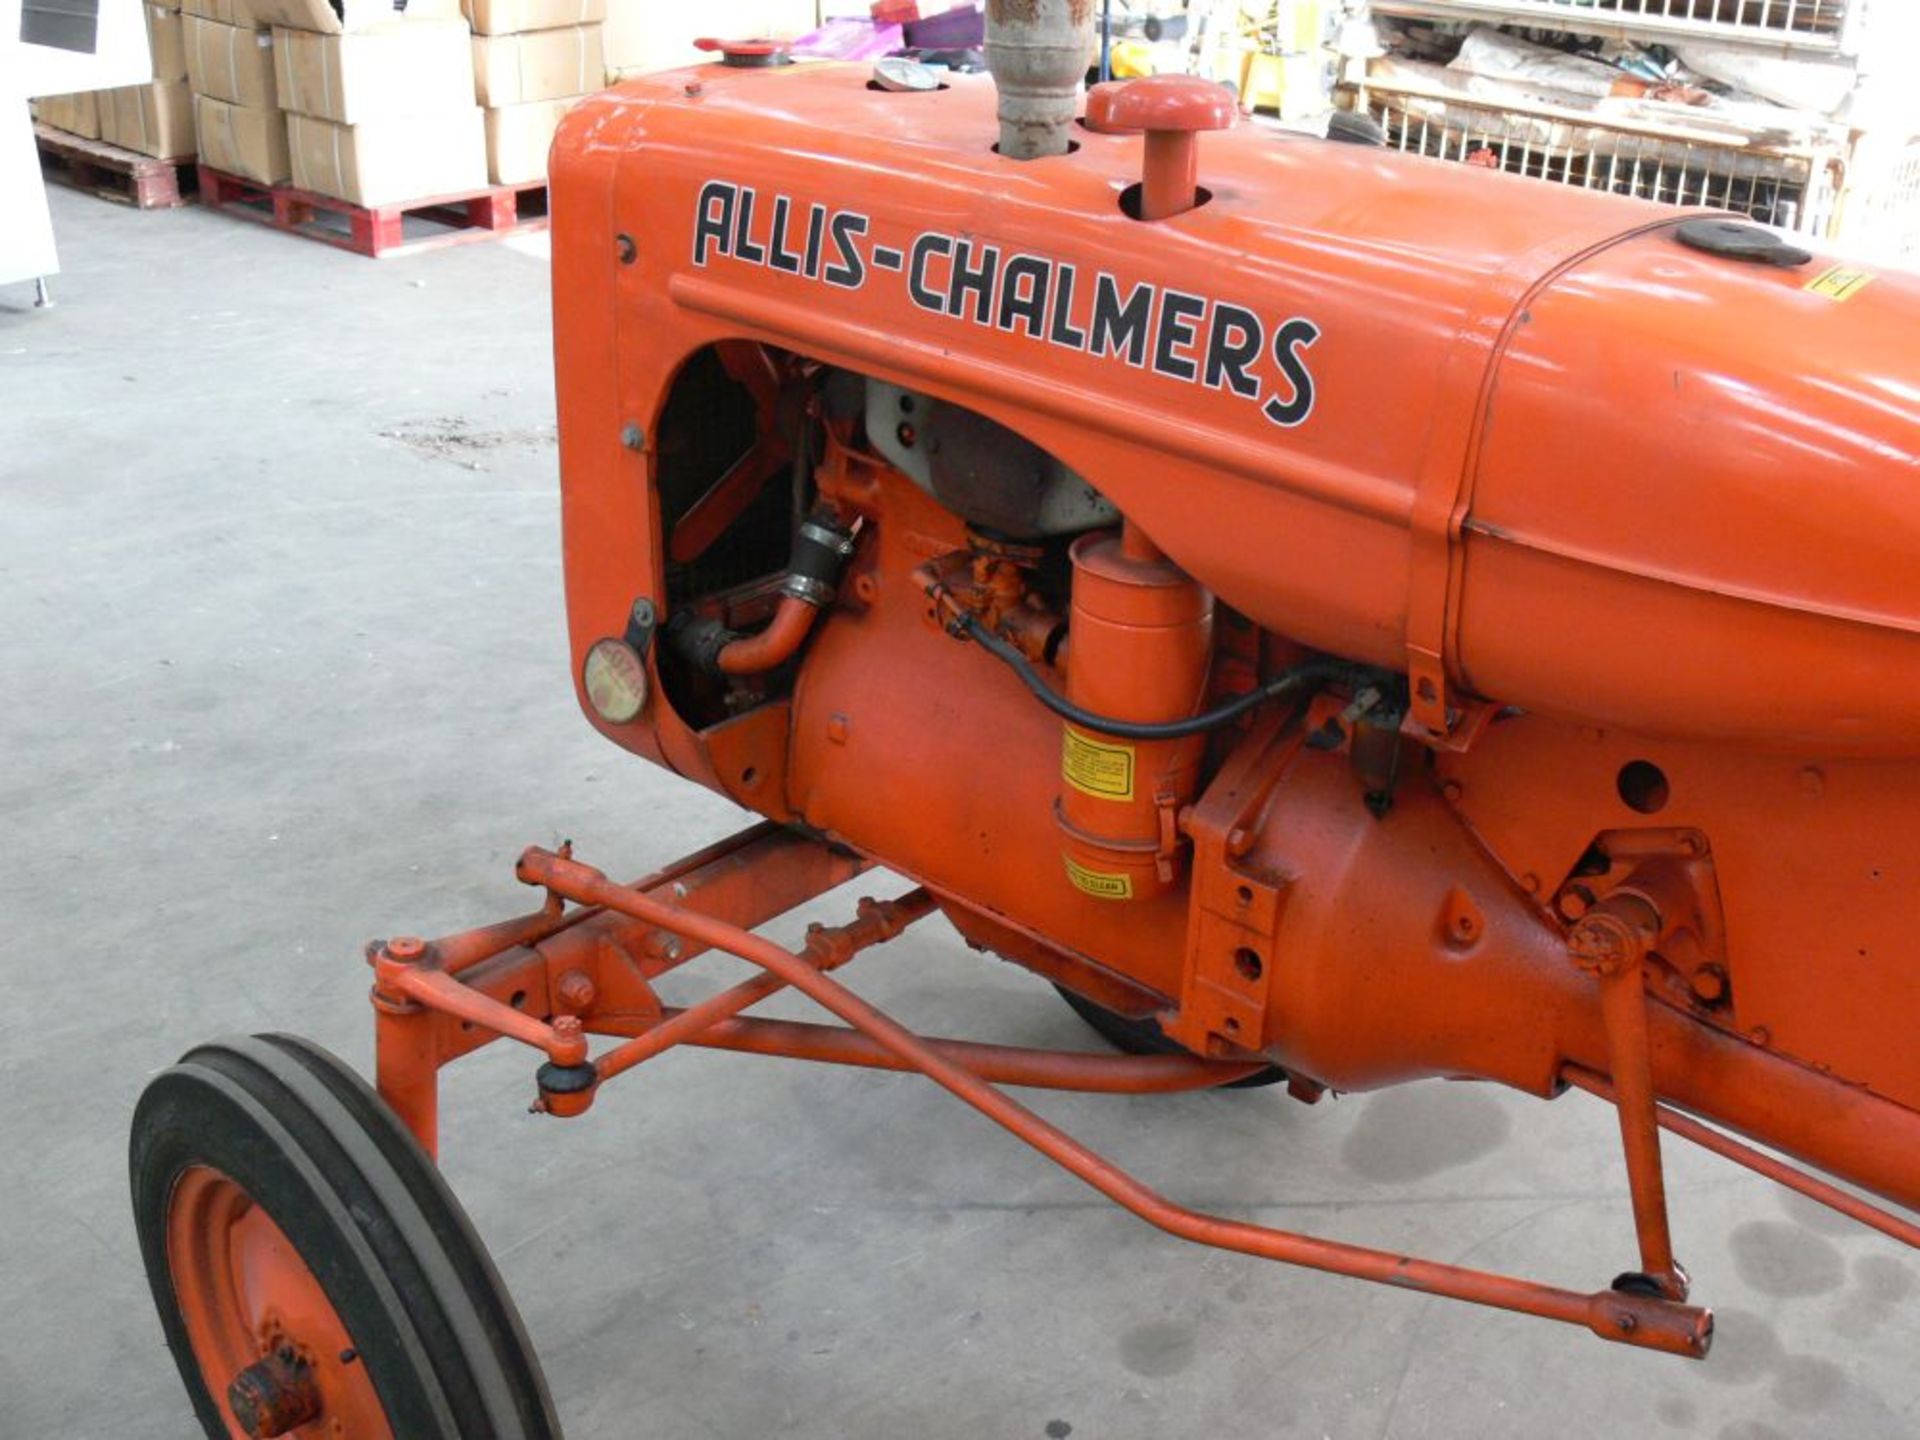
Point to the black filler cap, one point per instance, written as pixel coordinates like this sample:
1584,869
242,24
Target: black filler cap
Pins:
1733,240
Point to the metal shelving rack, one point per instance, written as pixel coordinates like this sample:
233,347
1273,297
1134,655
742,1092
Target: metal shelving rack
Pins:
1811,27
1861,189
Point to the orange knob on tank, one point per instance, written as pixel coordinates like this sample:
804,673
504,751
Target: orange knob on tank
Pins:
1140,635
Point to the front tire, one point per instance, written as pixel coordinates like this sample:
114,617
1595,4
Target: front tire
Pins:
314,1275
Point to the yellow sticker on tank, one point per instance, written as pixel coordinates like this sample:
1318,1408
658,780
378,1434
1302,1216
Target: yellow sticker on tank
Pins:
1096,767
1098,883
1842,282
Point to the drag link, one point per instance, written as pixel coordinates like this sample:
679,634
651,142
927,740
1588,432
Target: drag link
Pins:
1646,1321
996,1064
826,949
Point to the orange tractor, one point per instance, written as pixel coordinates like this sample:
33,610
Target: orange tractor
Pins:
1342,619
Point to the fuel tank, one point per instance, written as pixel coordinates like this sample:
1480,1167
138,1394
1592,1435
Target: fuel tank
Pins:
1511,437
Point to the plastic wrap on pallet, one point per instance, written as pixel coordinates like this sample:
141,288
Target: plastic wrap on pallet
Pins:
1821,86
1489,53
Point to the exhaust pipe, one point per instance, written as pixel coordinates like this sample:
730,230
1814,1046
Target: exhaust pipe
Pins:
1038,51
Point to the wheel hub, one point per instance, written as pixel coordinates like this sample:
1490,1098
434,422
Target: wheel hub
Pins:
274,1395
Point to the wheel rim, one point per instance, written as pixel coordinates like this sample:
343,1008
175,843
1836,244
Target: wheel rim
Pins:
264,1335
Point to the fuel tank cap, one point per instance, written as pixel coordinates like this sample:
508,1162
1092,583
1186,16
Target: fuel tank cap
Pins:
903,76
754,54
1735,241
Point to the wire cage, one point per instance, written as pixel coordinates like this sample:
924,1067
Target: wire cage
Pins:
1788,187
1879,208
1830,25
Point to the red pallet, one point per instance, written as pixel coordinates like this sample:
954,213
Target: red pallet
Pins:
111,172
378,230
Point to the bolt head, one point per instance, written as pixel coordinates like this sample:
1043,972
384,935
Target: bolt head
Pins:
1709,983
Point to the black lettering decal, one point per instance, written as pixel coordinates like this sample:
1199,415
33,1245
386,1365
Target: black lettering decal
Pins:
850,271
1235,341
1116,325
969,280
713,219
778,256
885,257
1062,331
924,295
743,246
816,232
1294,336
1178,314
1023,294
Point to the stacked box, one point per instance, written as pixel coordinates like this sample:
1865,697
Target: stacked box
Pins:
378,110
156,118
236,111
533,60
165,35
75,114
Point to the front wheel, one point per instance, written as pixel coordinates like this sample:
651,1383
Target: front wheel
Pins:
1144,1037
314,1275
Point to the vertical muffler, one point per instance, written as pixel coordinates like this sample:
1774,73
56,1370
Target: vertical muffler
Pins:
1038,52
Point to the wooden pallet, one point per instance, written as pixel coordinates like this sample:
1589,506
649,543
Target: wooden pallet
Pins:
109,171
379,230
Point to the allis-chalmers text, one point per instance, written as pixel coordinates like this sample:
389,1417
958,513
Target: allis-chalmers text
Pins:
1174,333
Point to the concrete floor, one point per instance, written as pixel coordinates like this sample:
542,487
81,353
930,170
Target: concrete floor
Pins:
281,641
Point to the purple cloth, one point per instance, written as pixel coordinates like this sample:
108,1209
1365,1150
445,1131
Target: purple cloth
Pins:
959,29
850,40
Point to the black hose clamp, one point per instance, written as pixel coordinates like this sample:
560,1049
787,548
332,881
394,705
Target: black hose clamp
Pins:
821,549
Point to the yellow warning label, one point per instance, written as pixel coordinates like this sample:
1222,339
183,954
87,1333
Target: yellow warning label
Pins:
1097,883
1096,767
1842,282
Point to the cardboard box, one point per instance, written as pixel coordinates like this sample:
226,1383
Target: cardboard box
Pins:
510,17
540,65
519,136
165,40
647,35
334,17
75,114
242,140
231,63
383,162
227,12
403,68
154,119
